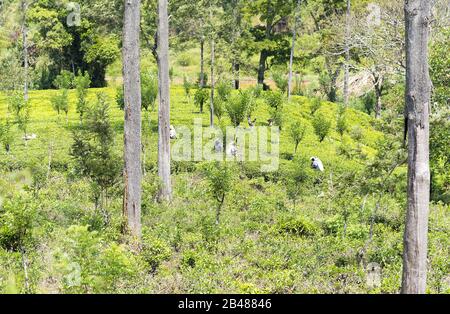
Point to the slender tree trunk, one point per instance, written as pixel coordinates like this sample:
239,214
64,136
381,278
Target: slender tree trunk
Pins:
262,67
24,6
165,191
202,63
347,54
378,105
211,107
417,96
236,68
237,35
294,37
132,126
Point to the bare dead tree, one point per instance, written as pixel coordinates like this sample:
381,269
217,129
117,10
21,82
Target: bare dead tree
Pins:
417,97
132,126
165,190
294,37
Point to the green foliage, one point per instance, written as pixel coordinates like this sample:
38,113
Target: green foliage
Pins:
369,102
6,136
299,226
187,86
87,265
224,90
236,108
184,59
20,109
60,101
315,105
280,80
199,78
297,132
92,150
275,101
17,216
65,80
154,251
220,179
200,98
149,90
341,124
82,83
440,158
297,178
321,126
357,133
219,108
120,101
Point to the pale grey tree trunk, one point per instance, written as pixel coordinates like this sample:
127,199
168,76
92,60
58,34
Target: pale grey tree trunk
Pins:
347,54
165,190
417,96
132,125
211,106
24,7
294,37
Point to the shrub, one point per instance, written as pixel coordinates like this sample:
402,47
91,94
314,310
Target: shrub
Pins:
187,87
17,216
6,137
315,105
280,80
297,133
297,178
224,90
149,90
341,124
357,133
120,101
64,80
299,226
275,100
237,107
321,126
20,110
88,266
219,177
154,251
184,59
200,98
60,102
219,108
369,102
82,83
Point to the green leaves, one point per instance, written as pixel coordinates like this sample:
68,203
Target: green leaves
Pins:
321,126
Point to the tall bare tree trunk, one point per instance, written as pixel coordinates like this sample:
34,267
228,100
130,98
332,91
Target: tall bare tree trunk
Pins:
24,6
165,191
262,67
236,67
211,107
132,126
236,35
211,104
417,96
347,54
294,37
202,63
